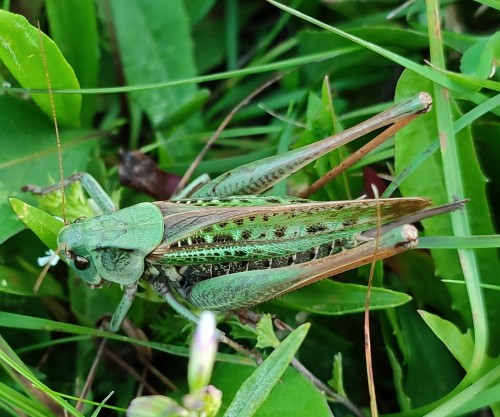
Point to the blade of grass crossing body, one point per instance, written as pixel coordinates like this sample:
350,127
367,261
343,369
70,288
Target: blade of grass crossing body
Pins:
455,189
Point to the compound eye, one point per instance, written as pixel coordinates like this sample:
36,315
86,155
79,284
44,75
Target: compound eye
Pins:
81,263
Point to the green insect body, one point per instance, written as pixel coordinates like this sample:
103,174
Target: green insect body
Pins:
221,250
233,243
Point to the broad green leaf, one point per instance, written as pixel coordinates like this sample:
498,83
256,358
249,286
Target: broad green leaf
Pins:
348,56
29,156
334,298
74,28
489,150
158,49
22,53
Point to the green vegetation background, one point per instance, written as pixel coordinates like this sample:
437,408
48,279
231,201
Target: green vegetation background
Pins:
160,77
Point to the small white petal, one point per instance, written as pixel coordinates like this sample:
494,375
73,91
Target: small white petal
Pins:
50,257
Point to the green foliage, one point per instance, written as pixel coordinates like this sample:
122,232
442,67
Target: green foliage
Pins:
45,226
162,77
29,55
256,388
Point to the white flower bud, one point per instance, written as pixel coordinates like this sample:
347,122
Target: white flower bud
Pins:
202,354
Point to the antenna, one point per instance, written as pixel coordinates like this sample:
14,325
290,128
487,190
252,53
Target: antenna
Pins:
54,118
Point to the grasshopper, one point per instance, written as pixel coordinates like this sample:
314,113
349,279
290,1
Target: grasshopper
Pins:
222,247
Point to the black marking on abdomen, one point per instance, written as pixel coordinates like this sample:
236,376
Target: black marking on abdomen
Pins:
196,273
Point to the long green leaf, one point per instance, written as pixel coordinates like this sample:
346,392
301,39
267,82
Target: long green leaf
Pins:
336,298
463,176
256,388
